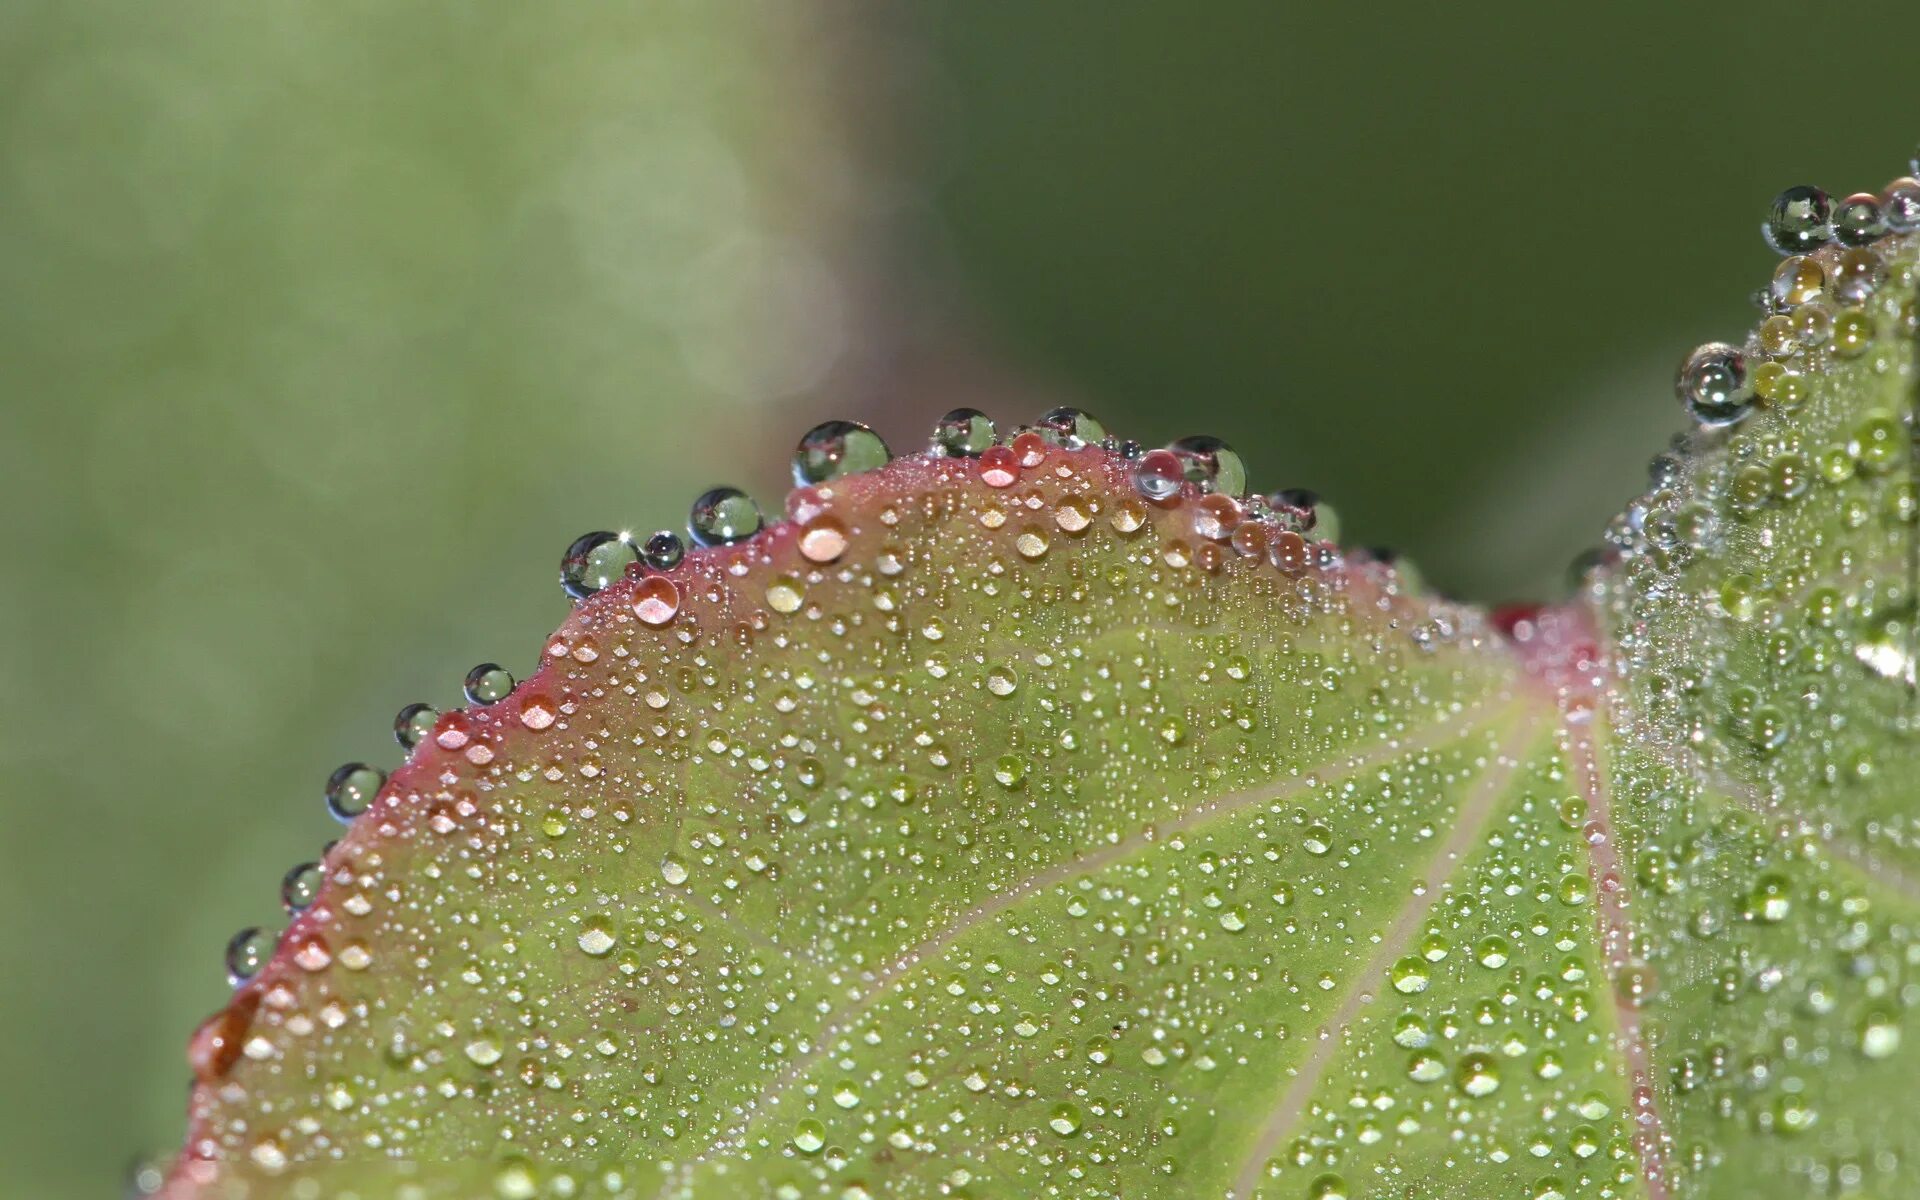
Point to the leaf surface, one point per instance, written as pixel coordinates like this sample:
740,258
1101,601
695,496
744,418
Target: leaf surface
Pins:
987,830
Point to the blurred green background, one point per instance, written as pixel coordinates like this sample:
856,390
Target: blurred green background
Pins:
326,326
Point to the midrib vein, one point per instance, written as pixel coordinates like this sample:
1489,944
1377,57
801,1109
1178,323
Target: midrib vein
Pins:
1522,733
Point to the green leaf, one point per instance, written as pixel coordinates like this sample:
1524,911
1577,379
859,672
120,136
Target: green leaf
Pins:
988,830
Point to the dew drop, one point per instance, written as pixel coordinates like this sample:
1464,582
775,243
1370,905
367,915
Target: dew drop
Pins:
964,433
1796,280
1158,475
413,723
656,600
537,712
1410,975
247,952
809,1137
833,449
1327,1187
1879,1036
1900,205
488,683
300,886
1800,220
823,540
674,870
1477,1075
596,937
786,594
595,560
1070,429
1712,384
663,550
351,788
999,468
1211,464
722,516
1065,1120
1858,220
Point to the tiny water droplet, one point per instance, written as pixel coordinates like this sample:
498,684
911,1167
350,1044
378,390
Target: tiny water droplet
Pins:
722,516
964,433
488,683
596,560
833,449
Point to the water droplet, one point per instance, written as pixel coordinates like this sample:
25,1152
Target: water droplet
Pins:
1713,385
1211,464
1857,273
595,560
1327,1187
596,937
1770,902
964,433
1065,1120
1879,1036
809,1136
823,540
1477,1075
351,788
723,515
673,870
488,683
1800,220
482,1050
656,599
833,449
414,723
247,952
1858,220
1900,205
300,886
1158,475
1410,975
663,550
1070,429
537,712
1010,770
1796,280
786,594
999,468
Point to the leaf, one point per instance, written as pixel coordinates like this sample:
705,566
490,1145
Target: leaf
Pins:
987,829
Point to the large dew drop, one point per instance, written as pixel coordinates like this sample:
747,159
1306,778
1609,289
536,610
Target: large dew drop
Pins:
722,516
595,560
964,433
1713,385
1211,464
1800,220
832,449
